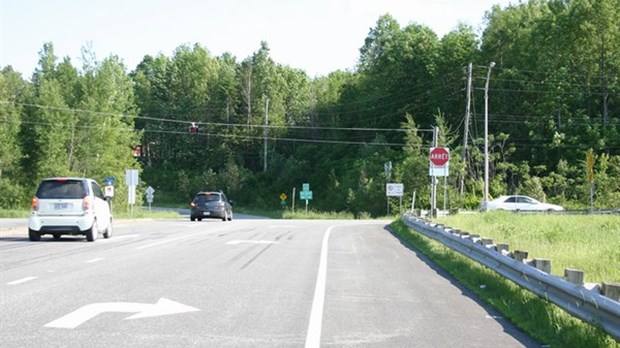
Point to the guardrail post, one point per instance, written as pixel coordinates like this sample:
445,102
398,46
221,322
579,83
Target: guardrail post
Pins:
574,276
503,246
543,265
487,241
611,290
520,255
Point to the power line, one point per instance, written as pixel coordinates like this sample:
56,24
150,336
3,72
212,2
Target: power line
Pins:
207,123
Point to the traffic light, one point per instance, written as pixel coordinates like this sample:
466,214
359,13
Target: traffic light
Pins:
193,129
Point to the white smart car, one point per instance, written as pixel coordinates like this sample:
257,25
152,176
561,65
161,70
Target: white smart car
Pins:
67,205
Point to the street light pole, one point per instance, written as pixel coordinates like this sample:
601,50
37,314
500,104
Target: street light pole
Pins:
485,198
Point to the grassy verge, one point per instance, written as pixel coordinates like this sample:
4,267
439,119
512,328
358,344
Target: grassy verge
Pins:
14,214
539,318
146,214
273,214
310,215
314,215
590,243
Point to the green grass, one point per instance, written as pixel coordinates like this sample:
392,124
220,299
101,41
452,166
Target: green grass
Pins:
274,214
14,214
144,213
310,215
539,318
590,243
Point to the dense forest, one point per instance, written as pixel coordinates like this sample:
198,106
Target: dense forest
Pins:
256,128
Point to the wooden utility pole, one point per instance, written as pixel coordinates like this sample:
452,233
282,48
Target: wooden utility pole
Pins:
265,135
466,131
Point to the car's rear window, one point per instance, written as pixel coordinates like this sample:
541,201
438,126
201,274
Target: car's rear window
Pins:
67,189
207,197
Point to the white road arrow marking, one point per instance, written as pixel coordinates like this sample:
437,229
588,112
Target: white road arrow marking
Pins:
237,242
23,280
142,310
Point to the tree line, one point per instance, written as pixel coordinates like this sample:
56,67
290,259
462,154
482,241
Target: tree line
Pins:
260,128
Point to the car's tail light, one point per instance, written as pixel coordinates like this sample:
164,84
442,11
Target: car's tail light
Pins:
86,204
221,205
35,203
192,204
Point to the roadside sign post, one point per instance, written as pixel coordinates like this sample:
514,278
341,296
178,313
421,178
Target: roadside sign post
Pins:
132,180
590,162
439,166
305,194
283,197
149,195
387,167
293,199
394,190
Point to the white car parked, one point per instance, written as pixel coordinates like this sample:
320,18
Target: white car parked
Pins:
519,203
69,205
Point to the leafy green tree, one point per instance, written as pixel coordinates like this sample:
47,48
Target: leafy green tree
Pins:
413,171
11,86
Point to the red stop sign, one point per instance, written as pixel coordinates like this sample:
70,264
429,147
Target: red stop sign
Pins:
439,156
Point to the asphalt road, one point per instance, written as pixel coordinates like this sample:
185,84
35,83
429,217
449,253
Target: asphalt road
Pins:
245,283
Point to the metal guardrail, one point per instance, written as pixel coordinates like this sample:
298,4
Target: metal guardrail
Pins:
584,304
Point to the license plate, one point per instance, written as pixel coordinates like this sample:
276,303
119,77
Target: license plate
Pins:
206,213
61,206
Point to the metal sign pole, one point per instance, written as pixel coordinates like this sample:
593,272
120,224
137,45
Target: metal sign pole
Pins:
293,200
445,191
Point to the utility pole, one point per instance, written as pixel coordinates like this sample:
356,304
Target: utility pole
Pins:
265,135
466,131
485,199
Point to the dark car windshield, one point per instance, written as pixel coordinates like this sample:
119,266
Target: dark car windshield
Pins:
67,189
208,197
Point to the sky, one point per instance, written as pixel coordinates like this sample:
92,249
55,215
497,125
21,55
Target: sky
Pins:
317,36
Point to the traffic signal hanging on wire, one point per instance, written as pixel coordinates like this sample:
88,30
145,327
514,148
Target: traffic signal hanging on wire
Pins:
193,129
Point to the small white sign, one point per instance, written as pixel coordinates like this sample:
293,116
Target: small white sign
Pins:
131,177
150,194
108,191
393,189
439,170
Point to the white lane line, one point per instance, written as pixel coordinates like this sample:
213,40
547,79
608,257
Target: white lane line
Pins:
237,242
175,239
160,242
23,280
95,260
124,236
313,338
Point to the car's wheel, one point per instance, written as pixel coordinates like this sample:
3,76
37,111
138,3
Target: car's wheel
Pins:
191,218
34,235
225,217
91,233
108,231
199,219
230,217
57,236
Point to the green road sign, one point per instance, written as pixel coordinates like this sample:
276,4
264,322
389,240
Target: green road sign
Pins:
305,195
